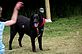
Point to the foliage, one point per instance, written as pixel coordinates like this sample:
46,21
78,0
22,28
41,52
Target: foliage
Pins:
59,8
66,8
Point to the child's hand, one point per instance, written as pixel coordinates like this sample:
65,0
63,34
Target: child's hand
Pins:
19,5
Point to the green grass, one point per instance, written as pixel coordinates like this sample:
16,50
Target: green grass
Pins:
62,36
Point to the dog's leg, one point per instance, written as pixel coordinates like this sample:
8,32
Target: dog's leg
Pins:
33,44
20,38
12,35
40,42
40,37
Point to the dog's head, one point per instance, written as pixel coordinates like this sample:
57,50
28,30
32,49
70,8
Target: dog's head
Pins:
35,20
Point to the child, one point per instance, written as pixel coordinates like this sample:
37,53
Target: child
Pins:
8,23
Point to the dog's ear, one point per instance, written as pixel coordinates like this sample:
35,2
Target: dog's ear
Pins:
31,18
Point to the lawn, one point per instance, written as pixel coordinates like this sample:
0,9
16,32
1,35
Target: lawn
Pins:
62,36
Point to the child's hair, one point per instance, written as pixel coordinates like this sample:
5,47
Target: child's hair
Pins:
1,19
0,9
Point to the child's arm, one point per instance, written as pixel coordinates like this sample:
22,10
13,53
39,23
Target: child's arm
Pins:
14,15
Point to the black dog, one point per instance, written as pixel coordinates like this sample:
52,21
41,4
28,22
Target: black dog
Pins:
33,27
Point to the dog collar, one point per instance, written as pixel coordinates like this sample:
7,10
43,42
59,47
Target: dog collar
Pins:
43,22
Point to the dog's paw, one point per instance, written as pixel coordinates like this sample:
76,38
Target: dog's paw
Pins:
34,50
10,48
20,45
